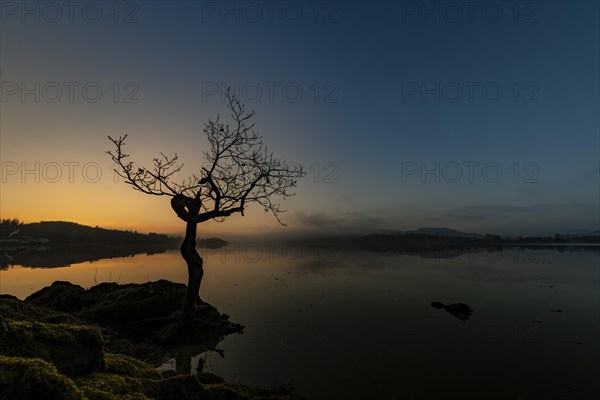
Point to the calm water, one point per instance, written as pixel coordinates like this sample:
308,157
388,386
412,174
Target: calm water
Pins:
351,324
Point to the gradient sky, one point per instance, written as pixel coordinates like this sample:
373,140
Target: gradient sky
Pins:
379,103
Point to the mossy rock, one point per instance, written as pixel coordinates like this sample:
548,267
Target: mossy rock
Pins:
228,391
122,378
121,364
127,303
33,378
60,296
113,304
13,308
125,377
104,385
147,312
73,349
9,305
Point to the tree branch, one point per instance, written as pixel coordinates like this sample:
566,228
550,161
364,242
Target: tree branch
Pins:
242,171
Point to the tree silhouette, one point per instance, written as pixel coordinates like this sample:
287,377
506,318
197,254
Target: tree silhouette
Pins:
239,171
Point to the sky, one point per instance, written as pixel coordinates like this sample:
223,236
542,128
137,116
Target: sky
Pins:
482,117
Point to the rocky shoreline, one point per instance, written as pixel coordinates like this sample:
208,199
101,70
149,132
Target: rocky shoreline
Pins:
66,342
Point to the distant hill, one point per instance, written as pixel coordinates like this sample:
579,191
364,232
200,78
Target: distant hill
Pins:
12,232
446,237
443,232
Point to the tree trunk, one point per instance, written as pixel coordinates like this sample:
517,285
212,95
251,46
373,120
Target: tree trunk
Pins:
195,272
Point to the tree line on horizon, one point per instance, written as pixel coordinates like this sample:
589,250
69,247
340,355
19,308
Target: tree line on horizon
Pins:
60,232
404,239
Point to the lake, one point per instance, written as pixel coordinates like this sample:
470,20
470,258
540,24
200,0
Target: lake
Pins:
340,323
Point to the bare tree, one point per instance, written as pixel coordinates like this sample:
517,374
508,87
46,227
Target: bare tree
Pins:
239,171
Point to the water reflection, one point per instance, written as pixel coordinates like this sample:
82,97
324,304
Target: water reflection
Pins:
342,323
361,323
66,255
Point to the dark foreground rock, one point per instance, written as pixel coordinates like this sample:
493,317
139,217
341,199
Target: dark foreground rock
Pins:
33,378
122,377
61,343
73,349
147,311
111,303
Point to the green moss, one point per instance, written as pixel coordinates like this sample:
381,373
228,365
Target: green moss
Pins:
123,378
61,331
228,391
121,364
33,378
111,386
96,394
184,387
225,392
73,349
29,338
127,376
100,386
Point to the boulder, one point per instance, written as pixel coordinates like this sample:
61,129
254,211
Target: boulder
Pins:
111,303
60,296
135,312
120,304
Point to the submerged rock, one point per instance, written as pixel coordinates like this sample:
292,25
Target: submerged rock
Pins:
457,310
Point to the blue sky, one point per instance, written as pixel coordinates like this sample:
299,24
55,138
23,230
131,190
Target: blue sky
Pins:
368,94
